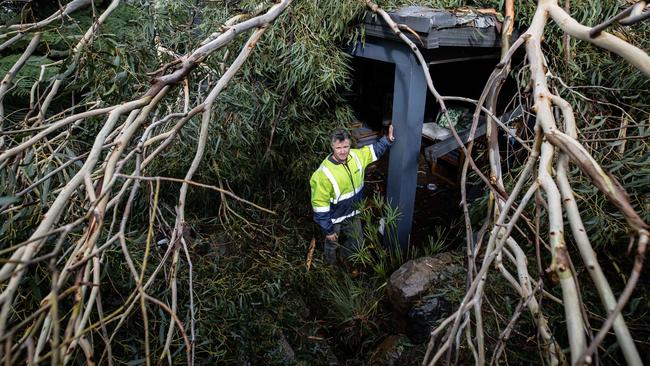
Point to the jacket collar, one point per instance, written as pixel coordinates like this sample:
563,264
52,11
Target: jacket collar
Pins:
330,157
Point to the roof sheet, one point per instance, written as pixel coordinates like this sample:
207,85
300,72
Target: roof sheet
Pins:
441,28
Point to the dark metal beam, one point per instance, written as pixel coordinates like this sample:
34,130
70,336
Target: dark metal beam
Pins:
409,99
382,50
436,28
463,59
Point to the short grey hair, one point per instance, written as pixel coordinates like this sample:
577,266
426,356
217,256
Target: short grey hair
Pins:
340,134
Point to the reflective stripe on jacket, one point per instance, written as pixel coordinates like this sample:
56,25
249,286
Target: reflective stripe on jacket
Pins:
337,188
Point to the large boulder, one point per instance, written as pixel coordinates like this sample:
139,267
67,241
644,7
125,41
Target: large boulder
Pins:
415,278
419,290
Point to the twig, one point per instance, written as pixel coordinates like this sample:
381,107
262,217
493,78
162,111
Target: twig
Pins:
628,16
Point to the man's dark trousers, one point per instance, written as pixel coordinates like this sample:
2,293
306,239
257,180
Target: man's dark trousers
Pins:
349,234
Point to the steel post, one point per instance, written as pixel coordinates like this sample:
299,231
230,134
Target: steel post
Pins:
409,98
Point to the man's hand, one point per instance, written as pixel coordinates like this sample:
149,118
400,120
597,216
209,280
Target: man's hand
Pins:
332,237
390,136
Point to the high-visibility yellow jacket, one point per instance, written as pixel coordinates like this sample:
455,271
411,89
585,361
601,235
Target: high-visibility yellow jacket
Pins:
337,188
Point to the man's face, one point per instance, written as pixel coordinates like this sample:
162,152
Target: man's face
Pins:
340,150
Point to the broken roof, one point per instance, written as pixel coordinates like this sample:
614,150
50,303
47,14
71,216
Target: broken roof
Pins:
440,28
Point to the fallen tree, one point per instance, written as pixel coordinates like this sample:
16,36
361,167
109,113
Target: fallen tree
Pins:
76,176
96,179
550,139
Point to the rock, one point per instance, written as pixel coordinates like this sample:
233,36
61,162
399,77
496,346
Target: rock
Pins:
415,278
389,351
424,313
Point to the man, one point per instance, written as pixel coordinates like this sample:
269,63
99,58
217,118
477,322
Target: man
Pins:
336,190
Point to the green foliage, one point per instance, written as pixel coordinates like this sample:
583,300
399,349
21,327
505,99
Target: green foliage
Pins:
439,241
383,256
353,308
268,133
27,75
280,106
459,118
